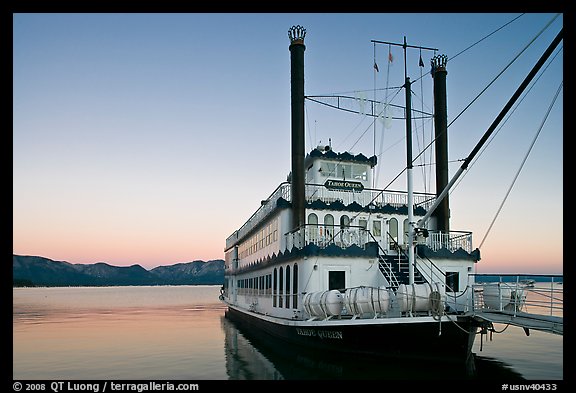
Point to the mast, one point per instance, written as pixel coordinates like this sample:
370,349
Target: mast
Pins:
409,165
296,35
409,168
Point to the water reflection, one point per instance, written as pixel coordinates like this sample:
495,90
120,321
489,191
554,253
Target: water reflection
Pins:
262,357
181,333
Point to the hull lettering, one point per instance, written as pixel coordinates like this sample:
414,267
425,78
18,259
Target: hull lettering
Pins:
319,333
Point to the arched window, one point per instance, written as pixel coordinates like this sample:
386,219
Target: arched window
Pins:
274,288
288,280
261,285
313,228
295,286
280,286
393,231
329,227
344,232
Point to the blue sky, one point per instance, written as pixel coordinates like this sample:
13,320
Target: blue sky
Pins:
149,138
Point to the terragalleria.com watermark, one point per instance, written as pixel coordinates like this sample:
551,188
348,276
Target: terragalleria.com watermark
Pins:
98,387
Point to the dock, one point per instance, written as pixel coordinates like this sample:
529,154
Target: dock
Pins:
532,304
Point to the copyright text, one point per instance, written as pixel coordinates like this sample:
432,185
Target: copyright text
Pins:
104,386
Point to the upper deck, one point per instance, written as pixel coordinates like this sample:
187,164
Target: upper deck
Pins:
371,200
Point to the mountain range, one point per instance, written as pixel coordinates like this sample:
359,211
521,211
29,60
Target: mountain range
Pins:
40,271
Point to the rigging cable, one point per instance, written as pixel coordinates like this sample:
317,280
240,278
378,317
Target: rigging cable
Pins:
368,128
374,123
309,132
479,41
493,80
482,39
478,96
508,117
523,161
469,47
424,174
468,159
387,113
503,70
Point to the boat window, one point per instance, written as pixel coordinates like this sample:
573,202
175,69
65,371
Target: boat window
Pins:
344,233
329,226
312,219
377,228
393,231
280,286
288,280
295,286
327,169
363,235
345,171
261,285
274,287
312,228
452,281
336,279
359,172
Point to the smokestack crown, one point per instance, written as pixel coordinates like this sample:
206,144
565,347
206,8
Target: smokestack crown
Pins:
296,35
438,63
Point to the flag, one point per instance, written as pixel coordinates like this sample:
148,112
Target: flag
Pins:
390,58
376,67
421,64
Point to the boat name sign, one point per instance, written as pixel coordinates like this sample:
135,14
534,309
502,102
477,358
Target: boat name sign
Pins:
319,333
344,185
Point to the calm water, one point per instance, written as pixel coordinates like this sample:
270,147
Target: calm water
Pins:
180,333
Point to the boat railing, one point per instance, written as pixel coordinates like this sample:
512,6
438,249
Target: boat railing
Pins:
325,235
266,206
533,294
317,192
365,197
430,271
451,241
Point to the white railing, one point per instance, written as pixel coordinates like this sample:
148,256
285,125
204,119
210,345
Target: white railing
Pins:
452,240
366,197
325,235
534,294
314,192
282,191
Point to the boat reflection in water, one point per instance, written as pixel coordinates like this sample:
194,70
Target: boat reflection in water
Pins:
263,357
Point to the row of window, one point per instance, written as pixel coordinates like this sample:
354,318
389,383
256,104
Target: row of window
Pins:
282,284
255,286
343,170
285,286
345,222
266,236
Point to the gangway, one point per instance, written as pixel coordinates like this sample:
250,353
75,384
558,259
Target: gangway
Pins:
535,303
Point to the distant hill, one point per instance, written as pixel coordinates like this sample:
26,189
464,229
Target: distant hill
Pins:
40,271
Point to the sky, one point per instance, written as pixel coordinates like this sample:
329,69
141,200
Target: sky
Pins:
148,138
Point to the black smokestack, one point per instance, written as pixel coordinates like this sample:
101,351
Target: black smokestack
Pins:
297,48
439,73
